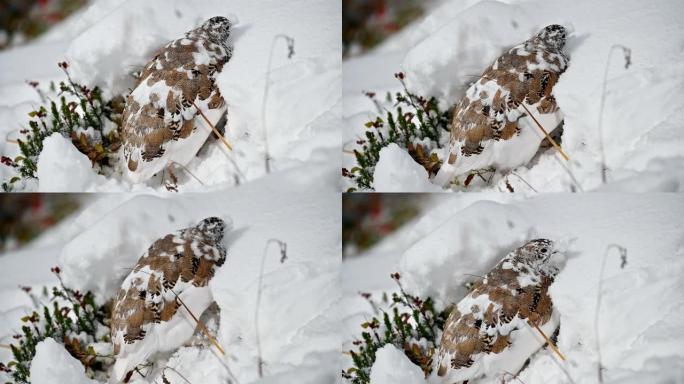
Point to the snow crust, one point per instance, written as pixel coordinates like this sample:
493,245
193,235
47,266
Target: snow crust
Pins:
392,366
62,168
53,364
396,171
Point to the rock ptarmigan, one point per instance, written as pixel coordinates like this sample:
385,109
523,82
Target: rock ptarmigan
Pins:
490,126
147,317
160,123
491,331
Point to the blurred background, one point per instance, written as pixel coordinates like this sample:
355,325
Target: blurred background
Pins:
367,218
367,23
23,20
24,216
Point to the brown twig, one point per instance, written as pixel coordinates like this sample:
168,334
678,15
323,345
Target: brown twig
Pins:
551,344
548,137
220,136
203,328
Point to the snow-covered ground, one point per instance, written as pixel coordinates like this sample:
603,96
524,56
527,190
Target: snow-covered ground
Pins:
110,39
642,118
640,323
299,318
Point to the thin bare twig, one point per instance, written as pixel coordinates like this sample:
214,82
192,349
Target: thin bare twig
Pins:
283,257
628,61
177,373
188,171
623,262
524,181
267,83
548,137
513,376
220,136
550,342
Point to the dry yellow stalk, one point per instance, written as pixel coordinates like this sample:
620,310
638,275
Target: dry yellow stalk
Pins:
547,135
551,344
214,128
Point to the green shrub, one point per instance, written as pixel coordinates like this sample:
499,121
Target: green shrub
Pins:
80,114
410,323
416,124
70,318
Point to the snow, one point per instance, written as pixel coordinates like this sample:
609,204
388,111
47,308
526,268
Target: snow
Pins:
53,364
392,366
639,323
62,168
397,172
110,39
642,115
298,317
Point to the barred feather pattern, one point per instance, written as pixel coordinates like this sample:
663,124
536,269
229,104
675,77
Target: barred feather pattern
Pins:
485,322
160,111
173,265
491,109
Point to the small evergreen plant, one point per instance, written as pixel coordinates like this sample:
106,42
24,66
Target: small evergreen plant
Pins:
410,323
416,124
80,114
70,318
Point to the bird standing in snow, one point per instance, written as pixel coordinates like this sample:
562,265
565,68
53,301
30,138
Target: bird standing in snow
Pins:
161,121
491,125
491,331
146,318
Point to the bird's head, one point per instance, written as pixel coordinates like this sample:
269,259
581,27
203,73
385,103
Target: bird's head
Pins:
213,228
217,29
538,252
553,37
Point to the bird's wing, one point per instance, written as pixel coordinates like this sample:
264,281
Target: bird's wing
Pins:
492,105
160,109
482,322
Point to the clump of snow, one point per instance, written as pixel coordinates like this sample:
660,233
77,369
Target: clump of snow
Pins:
392,366
62,168
639,325
53,364
396,171
641,119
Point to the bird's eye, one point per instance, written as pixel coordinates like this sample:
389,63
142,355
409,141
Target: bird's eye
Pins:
544,250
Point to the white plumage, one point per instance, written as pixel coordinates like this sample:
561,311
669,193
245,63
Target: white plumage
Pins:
491,126
491,331
147,317
161,124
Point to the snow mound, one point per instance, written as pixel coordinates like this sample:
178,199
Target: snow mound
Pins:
396,171
463,246
62,168
392,366
101,256
53,364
